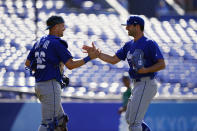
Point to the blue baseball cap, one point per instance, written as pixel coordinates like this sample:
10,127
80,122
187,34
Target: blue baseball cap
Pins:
134,20
53,20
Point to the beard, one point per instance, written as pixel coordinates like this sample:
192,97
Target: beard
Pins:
131,33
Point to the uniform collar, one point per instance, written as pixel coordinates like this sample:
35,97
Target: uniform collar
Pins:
142,38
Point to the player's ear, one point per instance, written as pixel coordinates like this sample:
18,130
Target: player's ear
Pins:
138,27
55,27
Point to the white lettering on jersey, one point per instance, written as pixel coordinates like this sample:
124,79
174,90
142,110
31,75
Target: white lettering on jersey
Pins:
37,44
129,55
46,43
40,58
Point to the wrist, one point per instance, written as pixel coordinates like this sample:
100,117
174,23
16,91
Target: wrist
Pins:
146,70
99,55
86,59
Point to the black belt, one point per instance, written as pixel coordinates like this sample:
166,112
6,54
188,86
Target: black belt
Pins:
140,79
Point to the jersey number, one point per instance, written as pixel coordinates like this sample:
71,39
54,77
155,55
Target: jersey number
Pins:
40,59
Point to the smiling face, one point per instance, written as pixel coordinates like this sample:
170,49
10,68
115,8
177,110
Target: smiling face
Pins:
131,30
59,29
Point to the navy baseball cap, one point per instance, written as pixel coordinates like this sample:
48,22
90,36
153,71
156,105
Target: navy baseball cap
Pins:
53,20
134,20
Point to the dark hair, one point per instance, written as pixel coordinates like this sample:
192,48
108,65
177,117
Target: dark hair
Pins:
53,20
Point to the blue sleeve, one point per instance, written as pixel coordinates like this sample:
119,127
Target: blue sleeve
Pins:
155,52
31,54
122,52
62,52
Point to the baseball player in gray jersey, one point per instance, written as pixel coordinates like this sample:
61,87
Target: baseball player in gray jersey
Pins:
44,59
145,59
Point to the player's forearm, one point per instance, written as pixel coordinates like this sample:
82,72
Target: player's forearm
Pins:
108,58
27,63
71,64
75,64
160,65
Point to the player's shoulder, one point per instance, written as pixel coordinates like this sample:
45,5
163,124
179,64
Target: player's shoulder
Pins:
128,43
64,43
52,38
57,41
150,42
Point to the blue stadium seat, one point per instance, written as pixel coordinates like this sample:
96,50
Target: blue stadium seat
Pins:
177,40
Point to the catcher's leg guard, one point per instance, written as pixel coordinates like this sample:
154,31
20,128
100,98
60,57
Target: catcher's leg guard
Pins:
52,124
145,127
63,120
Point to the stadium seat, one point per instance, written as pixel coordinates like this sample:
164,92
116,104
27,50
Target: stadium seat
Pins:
176,37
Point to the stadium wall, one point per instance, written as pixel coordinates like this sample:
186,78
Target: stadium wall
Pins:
144,7
100,116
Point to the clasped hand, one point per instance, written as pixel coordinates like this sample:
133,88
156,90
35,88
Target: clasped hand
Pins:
92,51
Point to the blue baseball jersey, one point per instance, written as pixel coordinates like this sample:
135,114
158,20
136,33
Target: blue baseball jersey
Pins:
48,52
150,50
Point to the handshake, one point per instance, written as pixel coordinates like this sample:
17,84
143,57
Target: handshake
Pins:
93,53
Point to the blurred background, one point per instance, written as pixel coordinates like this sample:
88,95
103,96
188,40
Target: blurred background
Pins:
94,94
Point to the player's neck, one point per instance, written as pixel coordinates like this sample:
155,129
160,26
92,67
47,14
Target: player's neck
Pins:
138,36
53,33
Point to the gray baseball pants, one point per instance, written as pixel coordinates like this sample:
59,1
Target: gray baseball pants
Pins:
142,94
49,94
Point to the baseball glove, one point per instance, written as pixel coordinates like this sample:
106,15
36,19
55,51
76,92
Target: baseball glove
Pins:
138,59
65,81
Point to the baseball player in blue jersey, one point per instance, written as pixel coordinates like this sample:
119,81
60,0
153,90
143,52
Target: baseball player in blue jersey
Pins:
44,59
145,59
